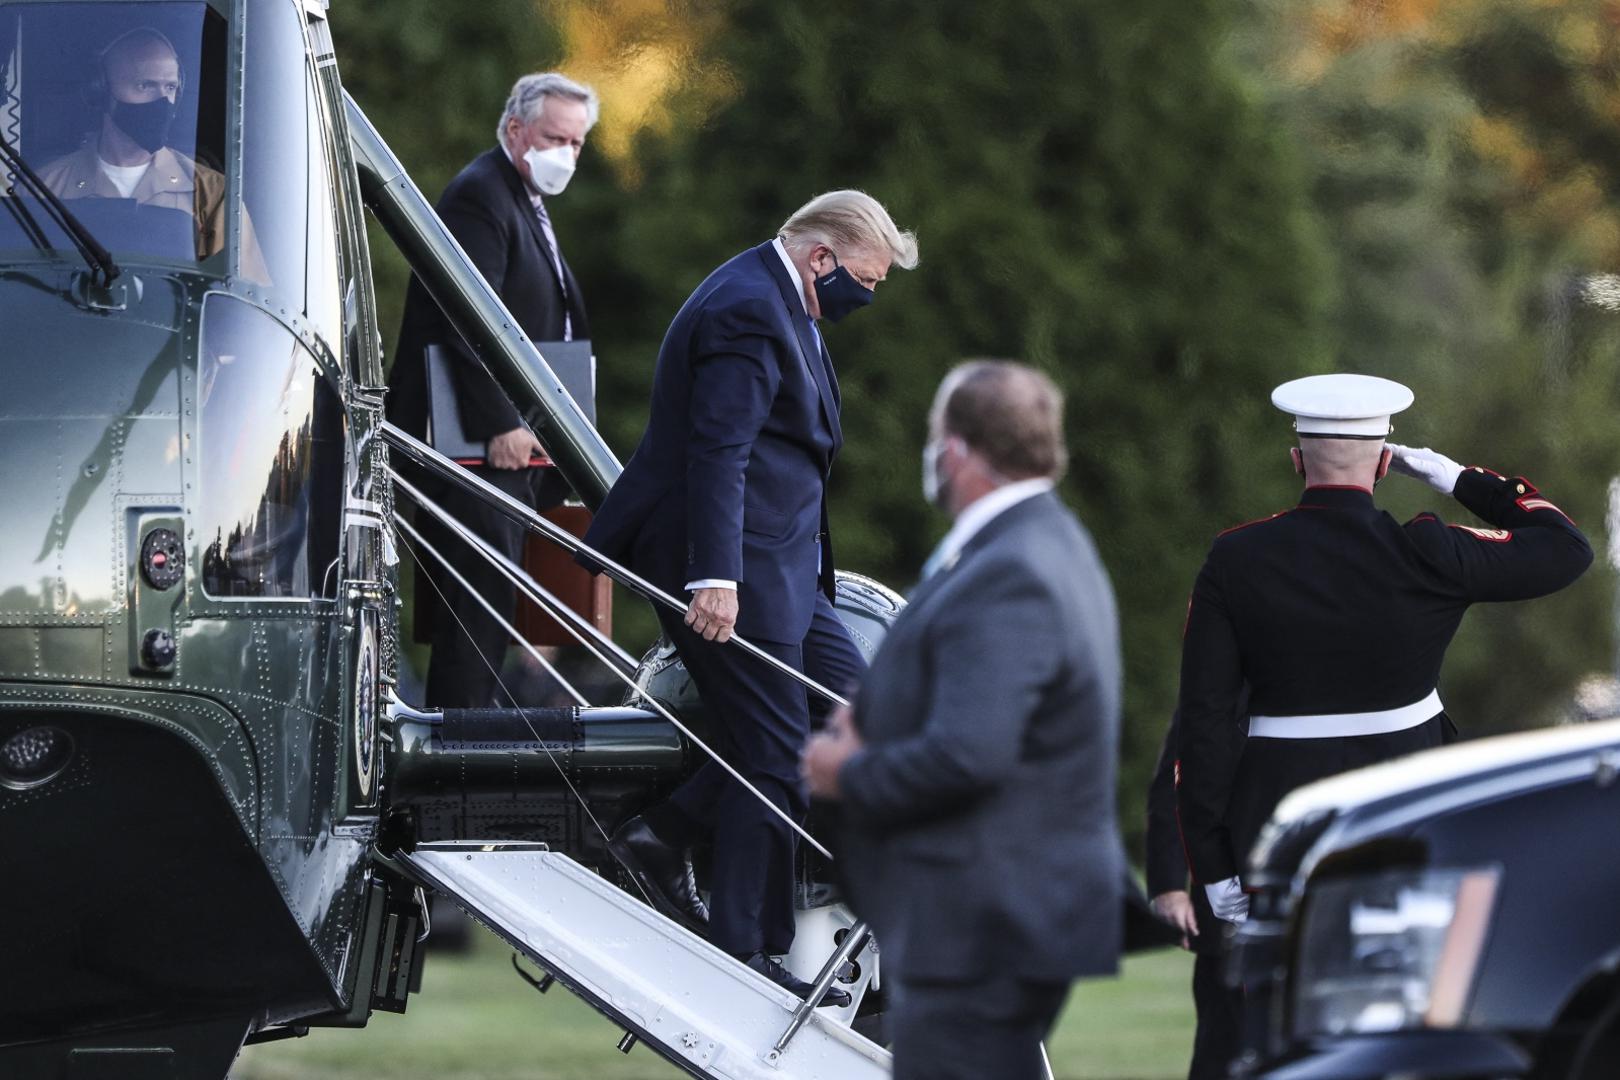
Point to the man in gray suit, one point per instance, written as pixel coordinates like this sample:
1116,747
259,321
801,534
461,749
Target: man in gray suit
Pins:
977,771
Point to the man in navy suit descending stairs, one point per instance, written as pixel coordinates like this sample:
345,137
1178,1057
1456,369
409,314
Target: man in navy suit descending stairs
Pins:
725,499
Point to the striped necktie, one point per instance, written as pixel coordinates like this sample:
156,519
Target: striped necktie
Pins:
556,264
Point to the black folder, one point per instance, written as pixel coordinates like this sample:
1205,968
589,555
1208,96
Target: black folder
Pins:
573,362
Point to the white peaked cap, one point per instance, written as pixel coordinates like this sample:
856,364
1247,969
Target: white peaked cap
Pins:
1348,406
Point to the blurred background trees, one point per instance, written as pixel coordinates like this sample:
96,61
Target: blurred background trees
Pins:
1169,206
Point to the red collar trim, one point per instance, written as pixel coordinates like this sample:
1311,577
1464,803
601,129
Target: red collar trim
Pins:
1339,487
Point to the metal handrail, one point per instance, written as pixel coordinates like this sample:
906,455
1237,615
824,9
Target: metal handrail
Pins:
853,942
489,609
656,705
423,454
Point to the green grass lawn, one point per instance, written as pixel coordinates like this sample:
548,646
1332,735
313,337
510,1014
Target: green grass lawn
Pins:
474,1020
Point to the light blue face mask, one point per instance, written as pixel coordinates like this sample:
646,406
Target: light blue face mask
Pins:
933,484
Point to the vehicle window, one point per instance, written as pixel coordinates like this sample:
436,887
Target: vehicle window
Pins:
360,350
276,141
271,446
323,289
120,109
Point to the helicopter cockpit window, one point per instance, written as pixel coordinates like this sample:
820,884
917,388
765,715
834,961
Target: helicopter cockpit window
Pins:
120,110
278,134
270,458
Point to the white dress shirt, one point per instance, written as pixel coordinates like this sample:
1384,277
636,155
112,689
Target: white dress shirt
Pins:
983,510
793,273
124,177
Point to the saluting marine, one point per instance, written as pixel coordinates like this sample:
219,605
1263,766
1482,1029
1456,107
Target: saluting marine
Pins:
1338,617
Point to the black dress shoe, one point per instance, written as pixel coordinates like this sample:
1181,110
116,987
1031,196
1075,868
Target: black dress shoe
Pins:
836,997
665,872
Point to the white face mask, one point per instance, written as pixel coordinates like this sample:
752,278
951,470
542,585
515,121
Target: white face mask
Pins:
550,170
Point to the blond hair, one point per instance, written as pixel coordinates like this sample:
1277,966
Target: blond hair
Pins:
847,220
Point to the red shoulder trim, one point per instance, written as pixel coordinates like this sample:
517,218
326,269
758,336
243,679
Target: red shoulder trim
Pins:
1181,831
1425,516
1256,521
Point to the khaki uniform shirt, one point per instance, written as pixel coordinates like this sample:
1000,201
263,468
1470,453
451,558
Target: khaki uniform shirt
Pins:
174,181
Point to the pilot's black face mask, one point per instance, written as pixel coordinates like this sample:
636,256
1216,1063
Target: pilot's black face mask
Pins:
147,123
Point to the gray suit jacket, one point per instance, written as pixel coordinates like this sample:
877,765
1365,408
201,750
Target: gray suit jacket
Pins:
979,827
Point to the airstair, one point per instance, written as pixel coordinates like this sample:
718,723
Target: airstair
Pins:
689,1002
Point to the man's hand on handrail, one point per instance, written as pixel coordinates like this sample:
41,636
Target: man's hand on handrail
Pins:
713,613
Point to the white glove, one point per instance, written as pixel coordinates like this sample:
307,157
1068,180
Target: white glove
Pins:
1437,470
1228,900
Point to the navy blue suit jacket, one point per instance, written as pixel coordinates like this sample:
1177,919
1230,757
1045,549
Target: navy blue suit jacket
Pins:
729,478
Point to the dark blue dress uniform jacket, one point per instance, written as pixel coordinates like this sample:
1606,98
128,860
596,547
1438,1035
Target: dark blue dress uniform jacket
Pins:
1335,607
729,478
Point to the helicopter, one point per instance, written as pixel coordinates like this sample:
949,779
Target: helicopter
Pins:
220,820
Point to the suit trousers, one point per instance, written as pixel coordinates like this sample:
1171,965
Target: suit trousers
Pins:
469,646
760,721
972,1030
1220,1018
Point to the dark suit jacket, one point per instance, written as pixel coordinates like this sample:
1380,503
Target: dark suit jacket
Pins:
487,209
729,478
980,832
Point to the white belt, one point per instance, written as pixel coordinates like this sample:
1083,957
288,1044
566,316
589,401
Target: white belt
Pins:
1343,725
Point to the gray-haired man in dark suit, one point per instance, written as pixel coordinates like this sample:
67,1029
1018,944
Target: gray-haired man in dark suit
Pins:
977,770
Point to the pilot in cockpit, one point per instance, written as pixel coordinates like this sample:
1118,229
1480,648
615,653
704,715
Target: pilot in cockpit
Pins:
137,81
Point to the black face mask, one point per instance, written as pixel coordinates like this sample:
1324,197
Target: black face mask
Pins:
146,123
839,293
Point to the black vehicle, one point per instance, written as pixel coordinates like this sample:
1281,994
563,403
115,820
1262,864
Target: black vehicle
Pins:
1453,914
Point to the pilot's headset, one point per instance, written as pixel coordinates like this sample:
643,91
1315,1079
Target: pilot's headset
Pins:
97,91
150,121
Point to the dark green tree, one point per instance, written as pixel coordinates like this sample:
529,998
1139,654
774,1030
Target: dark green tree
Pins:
433,76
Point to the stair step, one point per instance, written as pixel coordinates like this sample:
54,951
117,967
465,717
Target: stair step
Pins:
691,1003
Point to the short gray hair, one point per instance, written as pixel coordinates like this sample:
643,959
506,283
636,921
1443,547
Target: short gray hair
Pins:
849,219
529,95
